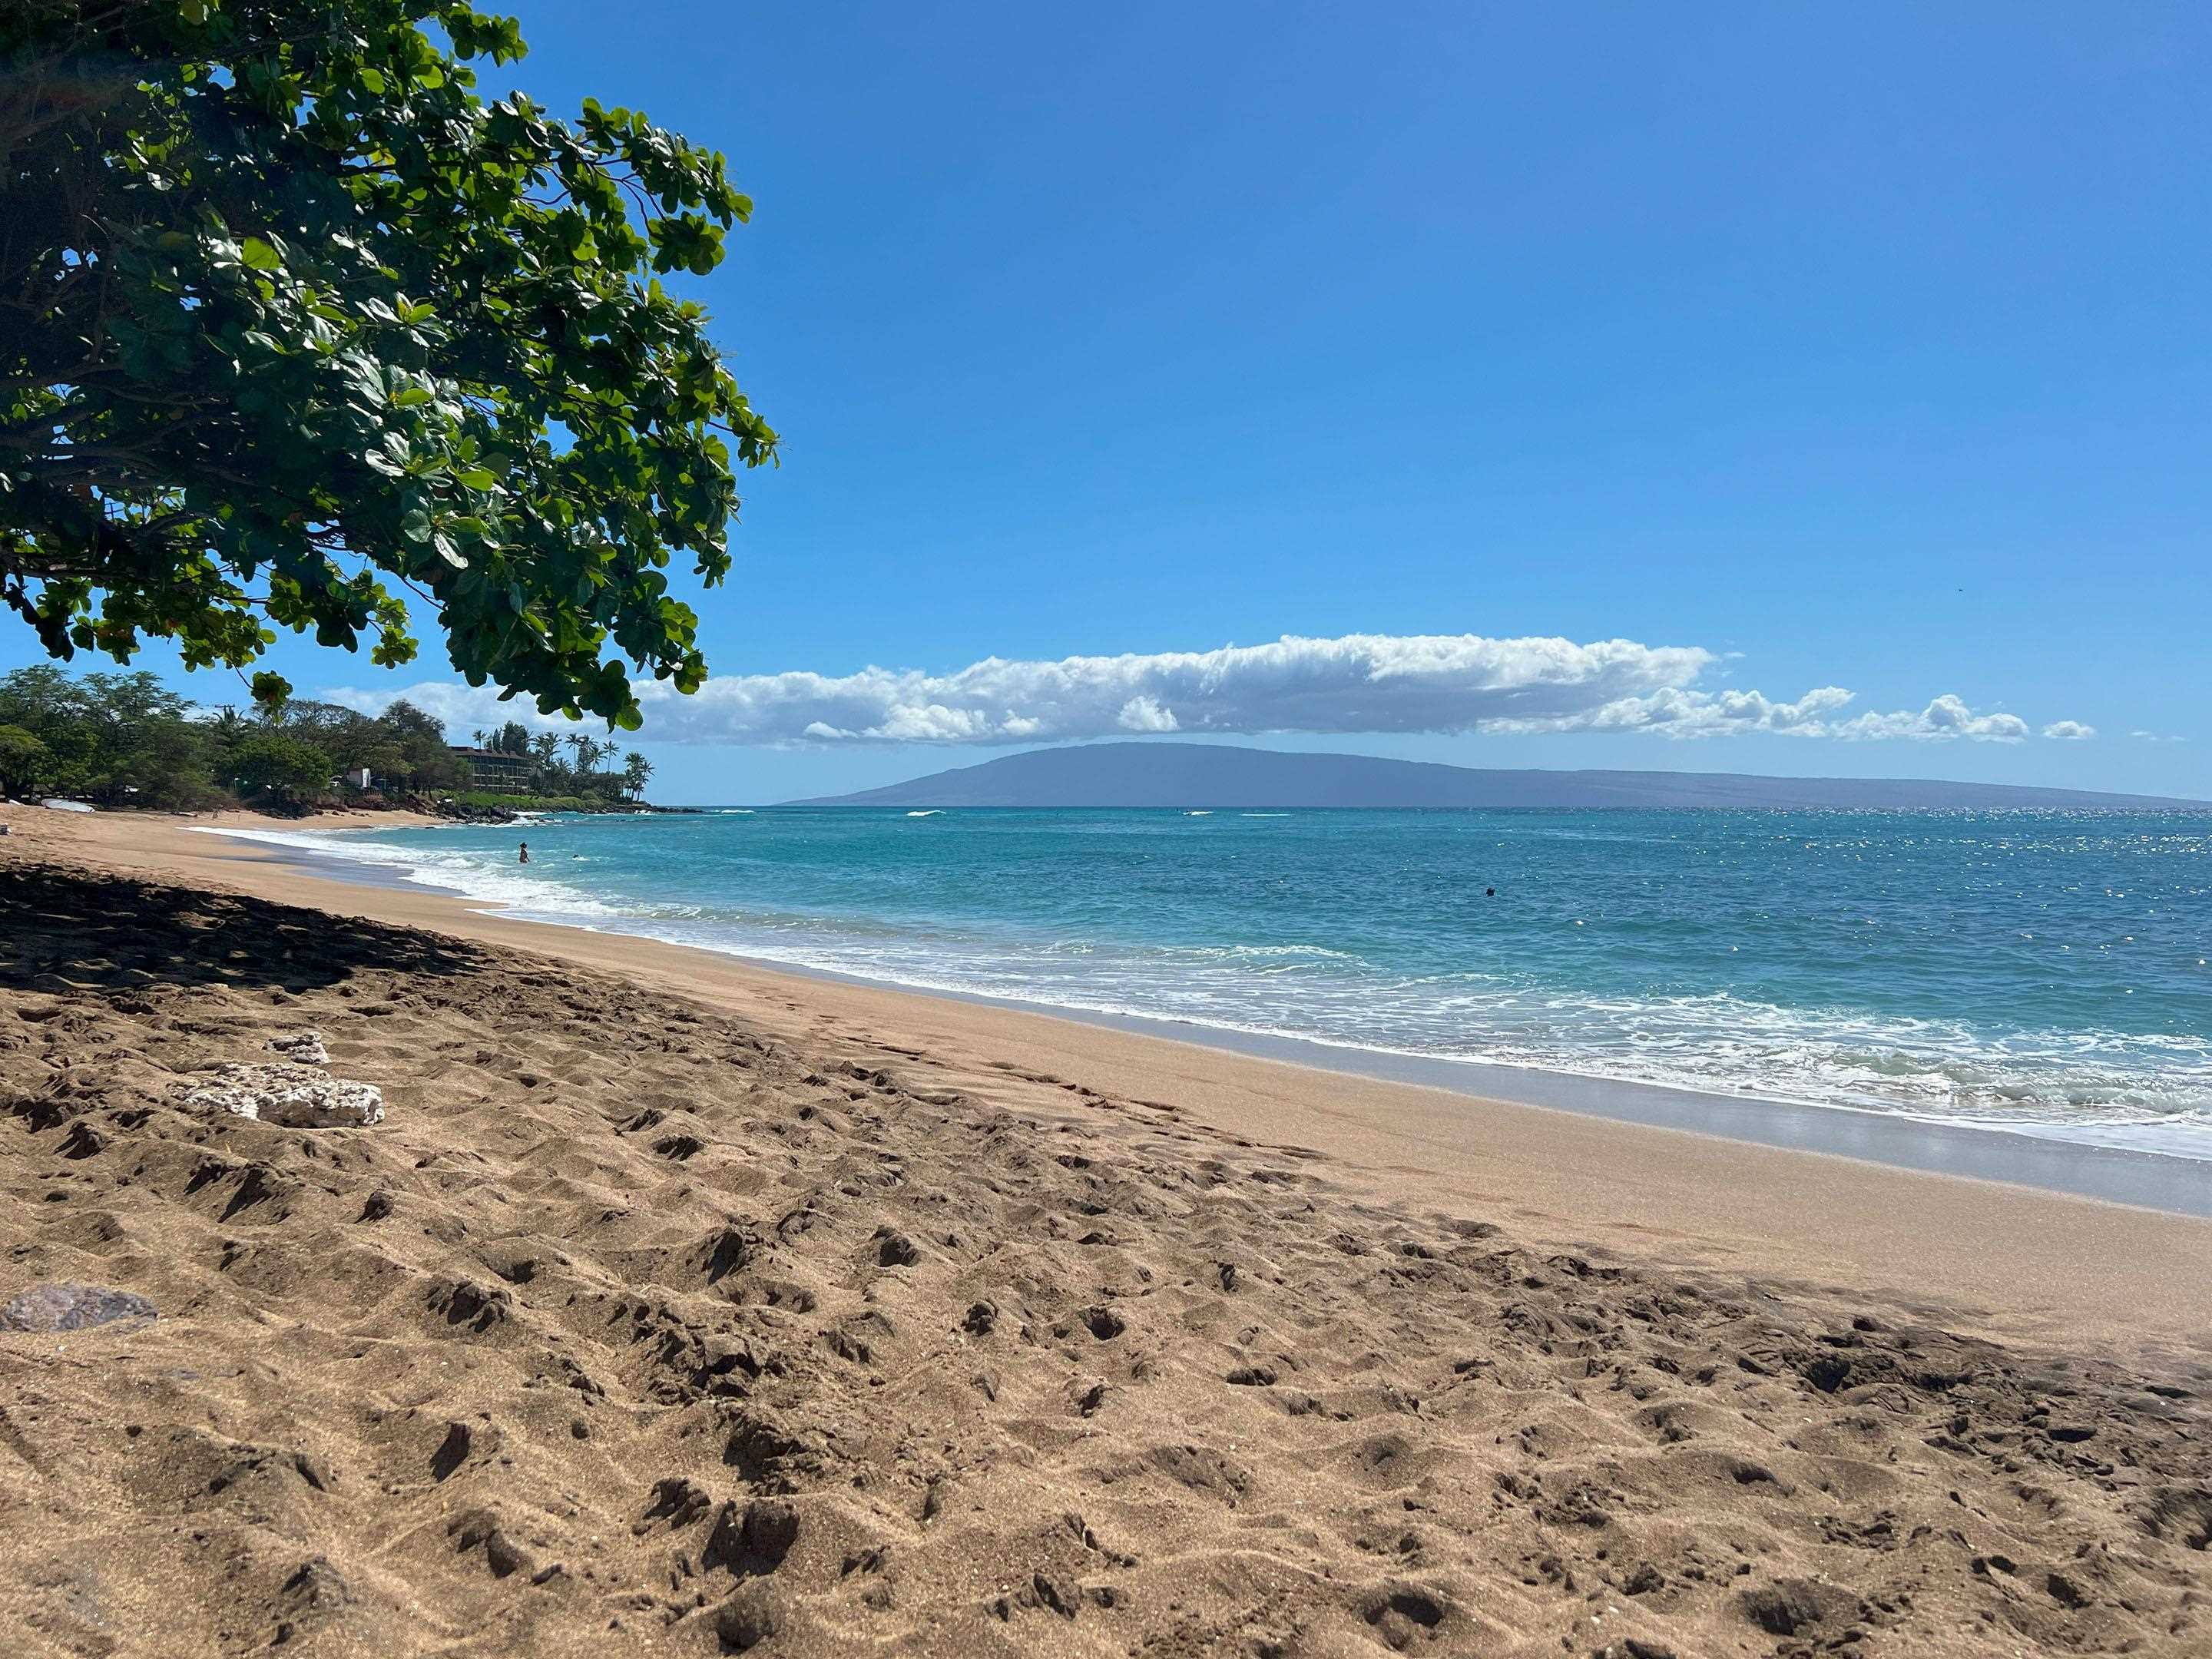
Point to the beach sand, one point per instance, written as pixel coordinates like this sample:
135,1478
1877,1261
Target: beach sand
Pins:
678,1305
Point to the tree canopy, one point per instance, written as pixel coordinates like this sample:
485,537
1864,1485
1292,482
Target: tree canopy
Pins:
276,761
125,738
114,736
295,327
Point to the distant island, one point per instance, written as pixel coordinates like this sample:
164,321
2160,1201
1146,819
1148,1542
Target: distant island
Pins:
1194,774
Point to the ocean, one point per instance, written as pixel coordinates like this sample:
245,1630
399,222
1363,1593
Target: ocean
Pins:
2041,972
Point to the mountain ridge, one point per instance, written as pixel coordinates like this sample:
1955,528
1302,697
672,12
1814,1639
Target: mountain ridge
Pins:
1210,775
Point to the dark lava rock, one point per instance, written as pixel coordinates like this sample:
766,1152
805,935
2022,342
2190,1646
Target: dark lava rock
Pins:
59,1307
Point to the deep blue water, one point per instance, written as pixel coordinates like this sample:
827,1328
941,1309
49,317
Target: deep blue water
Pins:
2045,971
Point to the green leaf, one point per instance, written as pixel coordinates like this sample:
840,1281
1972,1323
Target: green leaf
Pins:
415,524
259,255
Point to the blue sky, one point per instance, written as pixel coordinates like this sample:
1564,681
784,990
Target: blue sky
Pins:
1859,348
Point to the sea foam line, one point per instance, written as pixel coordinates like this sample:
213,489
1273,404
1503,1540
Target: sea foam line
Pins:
546,901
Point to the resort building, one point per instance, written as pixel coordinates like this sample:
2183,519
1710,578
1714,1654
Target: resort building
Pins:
495,771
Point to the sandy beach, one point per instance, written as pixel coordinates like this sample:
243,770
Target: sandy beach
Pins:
679,1305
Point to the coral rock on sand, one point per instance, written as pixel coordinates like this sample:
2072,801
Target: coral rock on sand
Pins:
291,1096
57,1307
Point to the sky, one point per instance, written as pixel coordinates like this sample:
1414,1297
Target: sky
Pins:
1610,386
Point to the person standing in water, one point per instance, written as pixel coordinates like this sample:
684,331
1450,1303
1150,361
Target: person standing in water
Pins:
525,858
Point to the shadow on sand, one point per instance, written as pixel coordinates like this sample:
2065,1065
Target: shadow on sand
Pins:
63,931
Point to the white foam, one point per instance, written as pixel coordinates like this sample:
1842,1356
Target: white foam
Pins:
2142,1091
496,879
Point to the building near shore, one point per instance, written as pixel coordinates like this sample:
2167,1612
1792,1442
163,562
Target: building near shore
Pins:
495,771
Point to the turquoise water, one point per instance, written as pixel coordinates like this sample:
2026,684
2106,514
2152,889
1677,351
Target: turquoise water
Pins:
2045,972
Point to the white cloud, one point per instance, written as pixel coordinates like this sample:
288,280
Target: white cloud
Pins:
2069,730
1945,717
2157,737
1360,683
1145,714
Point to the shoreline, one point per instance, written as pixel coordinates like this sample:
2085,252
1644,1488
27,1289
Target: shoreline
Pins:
2153,1178
2018,1262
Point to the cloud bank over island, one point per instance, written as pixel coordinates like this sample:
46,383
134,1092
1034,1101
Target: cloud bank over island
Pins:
1356,683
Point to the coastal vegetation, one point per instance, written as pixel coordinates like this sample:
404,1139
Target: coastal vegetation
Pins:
485,800
300,333
581,775
125,740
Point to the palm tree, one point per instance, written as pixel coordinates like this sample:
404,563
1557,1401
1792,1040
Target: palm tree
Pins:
479,737
229,726
635,770
581,746
545,752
